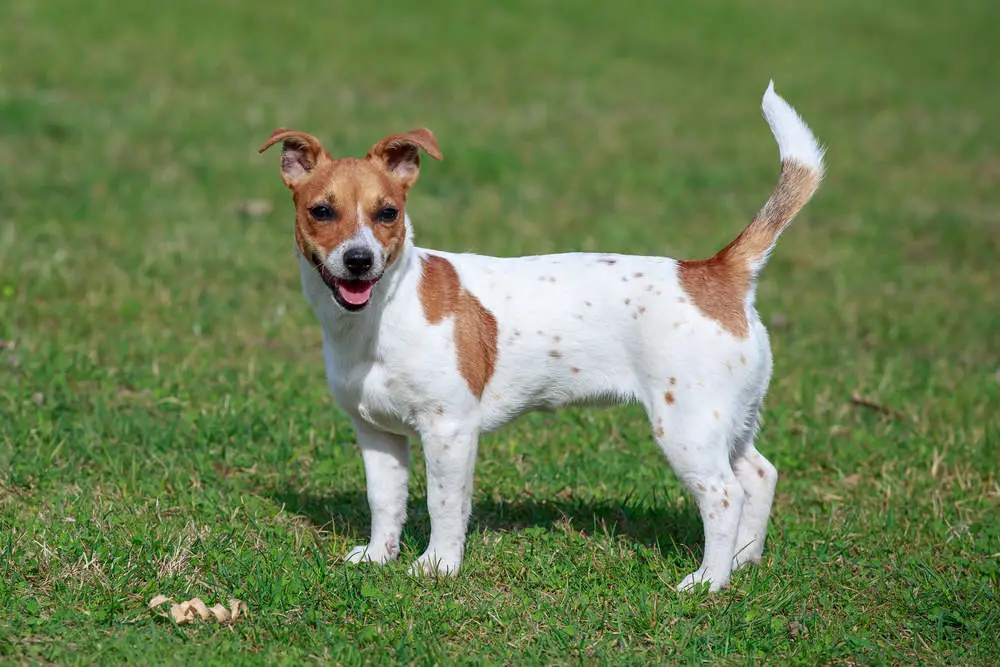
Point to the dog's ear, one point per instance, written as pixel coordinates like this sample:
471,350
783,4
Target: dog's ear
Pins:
300,153
399,154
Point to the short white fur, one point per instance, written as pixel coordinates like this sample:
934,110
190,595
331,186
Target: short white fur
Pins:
572,329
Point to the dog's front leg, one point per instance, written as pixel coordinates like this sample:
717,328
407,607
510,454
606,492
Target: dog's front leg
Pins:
451,459
387,472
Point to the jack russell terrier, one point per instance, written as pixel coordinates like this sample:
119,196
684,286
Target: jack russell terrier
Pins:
440,346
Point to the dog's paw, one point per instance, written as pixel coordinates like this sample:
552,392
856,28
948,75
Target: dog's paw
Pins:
431,563
367,553
747,556
701,576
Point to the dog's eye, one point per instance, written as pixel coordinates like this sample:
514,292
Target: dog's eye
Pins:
387,214
322,212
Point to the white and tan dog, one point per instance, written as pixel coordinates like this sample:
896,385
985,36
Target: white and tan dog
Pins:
444,347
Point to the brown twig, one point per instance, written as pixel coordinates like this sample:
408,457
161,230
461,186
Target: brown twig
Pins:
863,402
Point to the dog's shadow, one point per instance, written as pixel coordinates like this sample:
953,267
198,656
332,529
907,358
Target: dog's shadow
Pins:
647,521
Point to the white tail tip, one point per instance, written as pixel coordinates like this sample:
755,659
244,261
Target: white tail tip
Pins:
795,140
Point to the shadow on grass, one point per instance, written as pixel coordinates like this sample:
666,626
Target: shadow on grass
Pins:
641,521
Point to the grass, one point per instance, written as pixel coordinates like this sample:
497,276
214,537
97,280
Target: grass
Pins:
164,426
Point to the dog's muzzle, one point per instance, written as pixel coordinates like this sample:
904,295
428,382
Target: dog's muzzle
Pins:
353,293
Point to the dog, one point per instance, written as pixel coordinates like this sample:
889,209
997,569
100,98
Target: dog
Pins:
439,346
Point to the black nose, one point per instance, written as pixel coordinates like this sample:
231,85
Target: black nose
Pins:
358,260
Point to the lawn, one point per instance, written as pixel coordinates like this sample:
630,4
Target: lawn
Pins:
164,422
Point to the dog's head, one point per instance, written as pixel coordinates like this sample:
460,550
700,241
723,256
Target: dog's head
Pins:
350,220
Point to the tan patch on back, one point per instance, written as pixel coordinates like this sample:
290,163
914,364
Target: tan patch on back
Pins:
442,295
718,286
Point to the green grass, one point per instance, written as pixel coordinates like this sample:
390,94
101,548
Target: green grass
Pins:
164,425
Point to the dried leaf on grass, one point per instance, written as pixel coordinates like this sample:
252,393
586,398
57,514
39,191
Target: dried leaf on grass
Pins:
185,612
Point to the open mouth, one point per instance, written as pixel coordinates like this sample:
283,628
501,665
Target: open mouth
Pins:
350,294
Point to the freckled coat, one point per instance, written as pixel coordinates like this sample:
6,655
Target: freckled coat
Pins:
448,346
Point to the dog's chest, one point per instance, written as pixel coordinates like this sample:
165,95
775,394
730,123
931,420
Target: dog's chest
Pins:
368,392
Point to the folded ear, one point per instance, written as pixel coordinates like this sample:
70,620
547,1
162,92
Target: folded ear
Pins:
300,153
399,154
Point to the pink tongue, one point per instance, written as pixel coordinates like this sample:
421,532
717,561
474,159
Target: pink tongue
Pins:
355,292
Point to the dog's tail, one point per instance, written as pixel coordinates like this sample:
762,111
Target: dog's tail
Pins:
801,173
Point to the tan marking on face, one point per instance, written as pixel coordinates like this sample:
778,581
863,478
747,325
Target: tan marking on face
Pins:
442,295
356,190
669,398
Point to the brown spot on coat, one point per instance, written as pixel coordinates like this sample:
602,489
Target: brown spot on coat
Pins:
608,261
673,381
442,295
761,473
555,354
574,369
725,503
658,432
669,398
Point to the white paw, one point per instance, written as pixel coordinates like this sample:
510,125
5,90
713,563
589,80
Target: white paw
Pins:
366,553
701,576
430,563
750,554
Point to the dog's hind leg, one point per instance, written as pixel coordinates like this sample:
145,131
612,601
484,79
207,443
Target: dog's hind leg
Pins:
695,440
387,469
758,478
